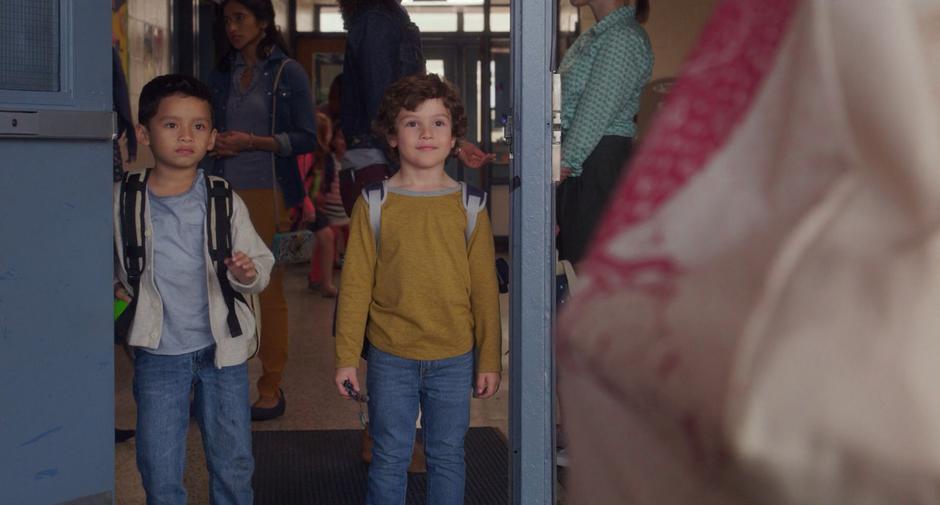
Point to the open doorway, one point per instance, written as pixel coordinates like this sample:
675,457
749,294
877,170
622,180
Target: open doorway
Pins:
469,41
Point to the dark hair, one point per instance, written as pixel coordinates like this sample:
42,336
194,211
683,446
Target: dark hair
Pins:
409,93
349,8
642,11
169,85
263,11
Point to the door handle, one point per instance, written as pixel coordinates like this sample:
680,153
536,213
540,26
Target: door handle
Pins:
57,124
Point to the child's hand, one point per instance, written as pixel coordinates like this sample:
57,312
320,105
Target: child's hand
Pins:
487,384
120,293
242,268
344,374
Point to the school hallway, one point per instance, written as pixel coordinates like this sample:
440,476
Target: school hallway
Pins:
56,289
312,400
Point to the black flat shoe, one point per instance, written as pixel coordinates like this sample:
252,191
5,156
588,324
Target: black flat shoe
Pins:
266,414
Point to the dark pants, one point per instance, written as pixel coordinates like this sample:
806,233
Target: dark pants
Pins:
352,181
581,201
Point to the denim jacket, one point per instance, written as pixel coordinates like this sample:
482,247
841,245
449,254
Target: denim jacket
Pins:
295,117
382,46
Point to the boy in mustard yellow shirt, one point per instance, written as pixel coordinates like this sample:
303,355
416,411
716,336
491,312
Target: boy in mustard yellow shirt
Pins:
426,296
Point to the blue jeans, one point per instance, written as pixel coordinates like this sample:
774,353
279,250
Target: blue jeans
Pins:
161,388
396,387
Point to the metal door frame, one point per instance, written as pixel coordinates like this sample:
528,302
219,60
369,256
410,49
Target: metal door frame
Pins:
532,243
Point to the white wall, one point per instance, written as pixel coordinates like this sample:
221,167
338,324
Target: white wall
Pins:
148,36
674,26
148,40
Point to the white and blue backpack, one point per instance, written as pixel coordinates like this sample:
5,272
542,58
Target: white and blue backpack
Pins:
473,198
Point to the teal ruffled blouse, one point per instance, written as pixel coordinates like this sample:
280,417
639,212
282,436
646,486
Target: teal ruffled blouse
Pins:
602,75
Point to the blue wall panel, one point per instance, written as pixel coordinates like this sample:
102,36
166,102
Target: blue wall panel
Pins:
56,351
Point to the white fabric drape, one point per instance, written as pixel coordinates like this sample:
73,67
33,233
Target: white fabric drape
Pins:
759,318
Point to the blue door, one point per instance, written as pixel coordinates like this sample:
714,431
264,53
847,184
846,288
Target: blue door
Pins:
56,351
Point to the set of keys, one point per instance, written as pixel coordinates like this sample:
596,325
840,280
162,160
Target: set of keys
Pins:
360,398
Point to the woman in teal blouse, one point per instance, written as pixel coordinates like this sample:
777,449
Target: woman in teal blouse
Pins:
602,76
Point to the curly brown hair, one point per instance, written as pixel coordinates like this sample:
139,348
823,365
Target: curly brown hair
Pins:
409,93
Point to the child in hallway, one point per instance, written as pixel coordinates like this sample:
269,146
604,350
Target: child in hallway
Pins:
182,333
312,168
424,294
331,203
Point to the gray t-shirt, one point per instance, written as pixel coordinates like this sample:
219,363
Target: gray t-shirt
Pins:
179,269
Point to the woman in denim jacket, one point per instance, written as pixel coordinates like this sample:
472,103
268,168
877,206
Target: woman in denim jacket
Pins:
382,46
242,86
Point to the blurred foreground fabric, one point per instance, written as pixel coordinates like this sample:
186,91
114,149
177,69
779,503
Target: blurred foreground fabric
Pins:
759,317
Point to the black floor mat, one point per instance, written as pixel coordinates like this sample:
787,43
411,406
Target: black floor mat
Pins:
324,467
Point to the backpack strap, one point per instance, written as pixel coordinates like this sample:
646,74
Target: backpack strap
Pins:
132,201
474,200
375,194
133,208
219,235
219,242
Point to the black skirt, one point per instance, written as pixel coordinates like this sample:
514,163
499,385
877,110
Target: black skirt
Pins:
581,201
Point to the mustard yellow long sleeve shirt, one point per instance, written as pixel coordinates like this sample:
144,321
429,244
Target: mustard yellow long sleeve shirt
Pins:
427,293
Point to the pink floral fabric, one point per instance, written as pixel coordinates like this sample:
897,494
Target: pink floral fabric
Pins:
753,320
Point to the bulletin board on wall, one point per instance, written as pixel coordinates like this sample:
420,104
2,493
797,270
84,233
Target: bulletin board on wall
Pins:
119,30
322,58
326,67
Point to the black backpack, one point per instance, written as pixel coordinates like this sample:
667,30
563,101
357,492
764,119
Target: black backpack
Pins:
219,232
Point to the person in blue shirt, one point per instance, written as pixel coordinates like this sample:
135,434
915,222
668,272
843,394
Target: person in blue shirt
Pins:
258,157
602,76
382,46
